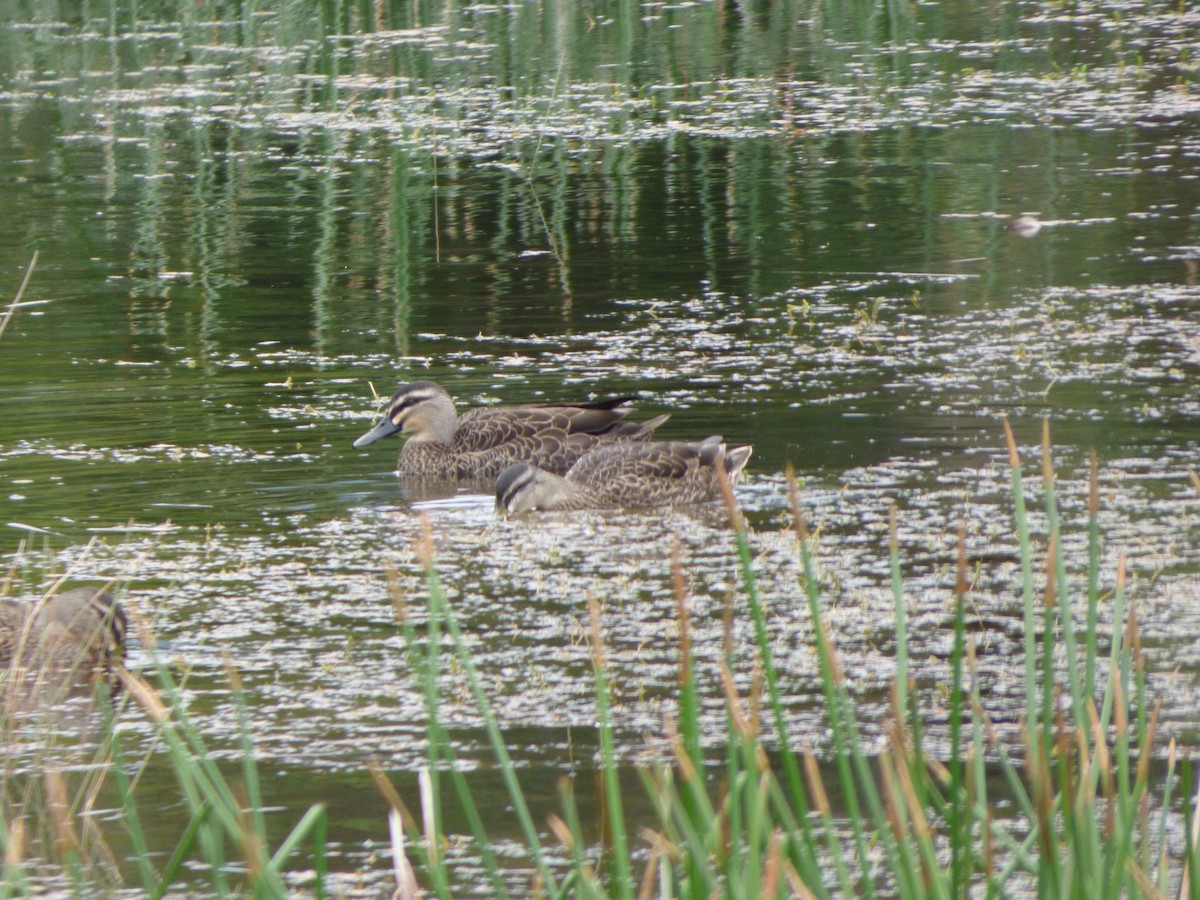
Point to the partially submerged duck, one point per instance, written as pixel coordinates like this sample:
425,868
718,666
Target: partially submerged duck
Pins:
657,473
79,630
484,440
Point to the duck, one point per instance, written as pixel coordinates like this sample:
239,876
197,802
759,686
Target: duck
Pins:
482,441
1025,225
642,474
82,628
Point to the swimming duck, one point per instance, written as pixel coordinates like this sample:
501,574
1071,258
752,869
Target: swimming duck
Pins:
652,473
1025,225
78,629
483,440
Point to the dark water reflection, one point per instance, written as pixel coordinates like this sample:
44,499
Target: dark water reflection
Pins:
785,228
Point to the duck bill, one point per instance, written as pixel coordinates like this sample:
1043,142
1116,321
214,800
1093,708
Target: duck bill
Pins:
383,428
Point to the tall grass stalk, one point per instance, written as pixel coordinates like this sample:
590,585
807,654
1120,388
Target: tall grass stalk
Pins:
425,662
440,609
11,311
218,820
608,759
750,815
907,823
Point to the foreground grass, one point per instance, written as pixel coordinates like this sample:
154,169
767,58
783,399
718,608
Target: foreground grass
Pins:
909,824
758,824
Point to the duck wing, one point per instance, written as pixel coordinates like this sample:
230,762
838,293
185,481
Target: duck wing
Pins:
651,473
638,460
487,427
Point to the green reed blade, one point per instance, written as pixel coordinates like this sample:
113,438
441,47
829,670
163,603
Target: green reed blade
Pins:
689,699
734,812
1066,620
474,821
689,702
443,609
978,795
584,885
608,758
958,823
833,842
249,769
320,856
901,615
182,850
430,669
1192,848
698,835
193,778
133,823
312,822
849,757
437,873
1093,579
444,749
1027,592
1161,868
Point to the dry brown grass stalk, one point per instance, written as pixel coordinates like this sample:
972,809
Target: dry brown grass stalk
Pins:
402,870
561,832
816,785
384,785
653,864
731,505
742,722
893,805
798,521
14,853
1047,456
396,593
773,870
800,890
58,810
1050,595
16,301
144,694
962,584
684,611
683,759
832,660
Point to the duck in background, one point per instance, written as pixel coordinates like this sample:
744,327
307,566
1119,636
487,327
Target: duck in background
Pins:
645,474
80,630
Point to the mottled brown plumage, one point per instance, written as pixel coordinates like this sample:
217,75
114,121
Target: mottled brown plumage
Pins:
79,629
483,441
653,473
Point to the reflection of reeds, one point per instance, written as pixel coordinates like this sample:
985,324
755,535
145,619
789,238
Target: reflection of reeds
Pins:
772,819
51,664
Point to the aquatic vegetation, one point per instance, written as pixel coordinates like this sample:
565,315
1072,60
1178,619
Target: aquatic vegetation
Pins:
724,209
915,817
950,801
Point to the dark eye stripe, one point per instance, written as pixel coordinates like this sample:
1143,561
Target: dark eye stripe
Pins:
113,617
513,490
408,400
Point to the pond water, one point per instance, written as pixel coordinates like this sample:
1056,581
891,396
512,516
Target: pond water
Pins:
785,226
